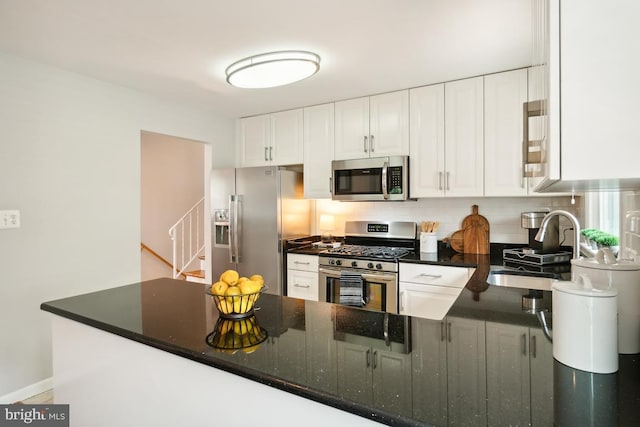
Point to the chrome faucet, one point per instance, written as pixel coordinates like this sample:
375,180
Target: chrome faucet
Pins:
574,222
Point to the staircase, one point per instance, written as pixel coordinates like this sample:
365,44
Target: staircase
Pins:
187,235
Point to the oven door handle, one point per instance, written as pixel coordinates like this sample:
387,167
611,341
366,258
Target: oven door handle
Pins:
330,272
378,277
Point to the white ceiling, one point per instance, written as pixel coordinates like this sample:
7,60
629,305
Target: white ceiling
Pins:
179,49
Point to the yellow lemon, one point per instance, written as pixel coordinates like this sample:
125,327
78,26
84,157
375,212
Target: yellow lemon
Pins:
242,279
233,299
257,278
249,287
230,277
219,288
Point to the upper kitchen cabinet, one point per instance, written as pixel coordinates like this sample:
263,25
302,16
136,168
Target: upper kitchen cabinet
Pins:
504,96
590,49
271,139
318,150
374,126
463,129
427,142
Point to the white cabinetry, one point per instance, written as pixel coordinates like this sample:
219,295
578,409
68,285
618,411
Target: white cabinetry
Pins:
271,139
427,141
463,127
302,276
504,96
374,126
519,376
318,150
375,377
447,153
429,291
593,95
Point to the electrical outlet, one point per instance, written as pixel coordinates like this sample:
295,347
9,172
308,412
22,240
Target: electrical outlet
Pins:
10,219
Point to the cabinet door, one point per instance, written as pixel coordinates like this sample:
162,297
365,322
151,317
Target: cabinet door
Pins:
427,301
504,95
464,149
429,371
389,124
254,141
508,389
355,381
352,129
392,382
541,362
292,358
427,141
467,376
286,138
321,348
439,275
318,151
302,284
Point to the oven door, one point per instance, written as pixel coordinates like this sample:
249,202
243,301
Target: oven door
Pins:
380,289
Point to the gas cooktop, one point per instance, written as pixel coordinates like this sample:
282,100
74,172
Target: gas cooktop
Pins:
365,251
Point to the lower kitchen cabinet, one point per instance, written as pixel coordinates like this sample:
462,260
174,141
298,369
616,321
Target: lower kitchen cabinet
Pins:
519,376
302,276
429,371
369,375
466,367
449,371
321,354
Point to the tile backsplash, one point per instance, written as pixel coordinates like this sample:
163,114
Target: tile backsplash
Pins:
502,213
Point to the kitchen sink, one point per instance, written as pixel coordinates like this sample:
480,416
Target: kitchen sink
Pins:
521,279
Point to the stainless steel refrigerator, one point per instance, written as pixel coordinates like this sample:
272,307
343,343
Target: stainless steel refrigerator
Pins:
253,210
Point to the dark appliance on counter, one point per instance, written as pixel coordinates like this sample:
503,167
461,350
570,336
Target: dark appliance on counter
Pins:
370,179
545,256
363,272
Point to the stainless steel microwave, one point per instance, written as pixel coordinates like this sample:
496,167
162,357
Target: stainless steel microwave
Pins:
371,179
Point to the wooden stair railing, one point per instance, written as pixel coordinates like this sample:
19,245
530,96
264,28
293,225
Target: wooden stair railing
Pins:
157,255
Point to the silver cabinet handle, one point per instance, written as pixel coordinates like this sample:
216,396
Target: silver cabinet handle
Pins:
297,285
375,359
448,176
433,276
532,346
266,158
371,144
440,180
402,293
270,153
443,332
365,144
302,263
330,185
524,344
449,331
368,358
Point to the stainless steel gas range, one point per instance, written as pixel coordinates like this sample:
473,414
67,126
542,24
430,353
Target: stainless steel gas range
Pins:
364,271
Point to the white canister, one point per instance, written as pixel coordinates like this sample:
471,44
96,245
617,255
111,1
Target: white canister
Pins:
428,243
585,328
623,276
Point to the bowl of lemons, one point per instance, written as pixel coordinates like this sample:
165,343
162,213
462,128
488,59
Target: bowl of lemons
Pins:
231,335
235,296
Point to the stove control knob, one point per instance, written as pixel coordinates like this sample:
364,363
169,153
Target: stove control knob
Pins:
379,266
331,262
338,262
370,265
354,264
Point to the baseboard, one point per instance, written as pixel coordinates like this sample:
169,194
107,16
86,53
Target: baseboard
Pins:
28,391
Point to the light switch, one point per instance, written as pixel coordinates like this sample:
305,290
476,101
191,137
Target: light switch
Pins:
10,219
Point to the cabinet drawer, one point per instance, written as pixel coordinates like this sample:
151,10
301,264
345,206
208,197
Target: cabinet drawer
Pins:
302,262
302,284
439,275
428,301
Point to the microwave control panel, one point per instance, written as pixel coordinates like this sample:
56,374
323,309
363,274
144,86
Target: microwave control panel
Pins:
395,180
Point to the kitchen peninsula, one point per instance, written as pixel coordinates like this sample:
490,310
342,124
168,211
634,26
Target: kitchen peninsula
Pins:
141,354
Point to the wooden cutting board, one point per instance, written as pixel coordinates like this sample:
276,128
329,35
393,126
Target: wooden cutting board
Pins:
476,233
456,241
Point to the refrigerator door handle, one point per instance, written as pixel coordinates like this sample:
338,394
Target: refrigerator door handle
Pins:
232,225
237,228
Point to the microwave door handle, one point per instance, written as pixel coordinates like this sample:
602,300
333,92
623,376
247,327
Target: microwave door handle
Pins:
385,192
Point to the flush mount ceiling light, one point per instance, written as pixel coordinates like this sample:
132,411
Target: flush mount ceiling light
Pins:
273,69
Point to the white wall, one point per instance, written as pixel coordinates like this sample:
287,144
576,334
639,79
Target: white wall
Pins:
172,181
503,214
70,162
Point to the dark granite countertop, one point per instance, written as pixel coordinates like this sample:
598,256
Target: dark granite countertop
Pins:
394,369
